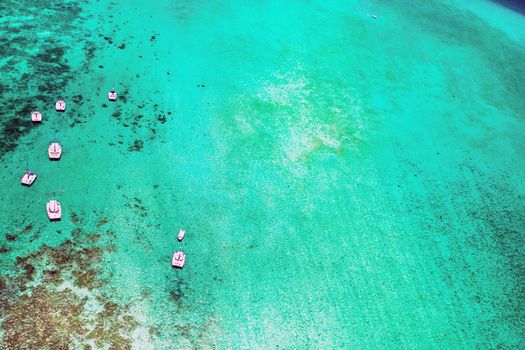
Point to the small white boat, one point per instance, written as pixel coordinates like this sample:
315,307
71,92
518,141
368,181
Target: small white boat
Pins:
60,105
54,210
373,16
181,235
54,151
28,178
179,258
112,95
36,117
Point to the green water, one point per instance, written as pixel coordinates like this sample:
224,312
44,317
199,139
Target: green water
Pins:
344,182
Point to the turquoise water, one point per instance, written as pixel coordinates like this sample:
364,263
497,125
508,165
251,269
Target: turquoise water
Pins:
344,182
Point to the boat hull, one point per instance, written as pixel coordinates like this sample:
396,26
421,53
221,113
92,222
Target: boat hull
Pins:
60,106
178,260
27,179
54,151
54,210
36,117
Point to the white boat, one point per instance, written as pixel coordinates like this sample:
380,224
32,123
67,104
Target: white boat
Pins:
54,210
36,117
179,258
112,95
54,151
60,105
181,235
28,178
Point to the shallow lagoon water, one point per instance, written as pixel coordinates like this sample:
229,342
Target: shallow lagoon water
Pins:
344,182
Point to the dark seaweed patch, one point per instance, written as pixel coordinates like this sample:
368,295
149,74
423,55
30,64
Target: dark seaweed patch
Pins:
102,222
3,285
29,269
13,129
74,217
161,119
52,277
75,122
48,68
90,51
62,314
137,207
77,233
154,331
2,88
137,146
51,55
77,99
177,294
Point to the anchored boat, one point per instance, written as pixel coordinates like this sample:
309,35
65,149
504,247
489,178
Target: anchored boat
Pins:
36,116
60,105
112,95
54,151
181,235
29,177
54,210
179,258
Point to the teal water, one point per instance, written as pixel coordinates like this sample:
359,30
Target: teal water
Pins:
344,182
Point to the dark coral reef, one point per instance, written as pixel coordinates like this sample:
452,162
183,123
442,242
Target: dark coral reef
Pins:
54,300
